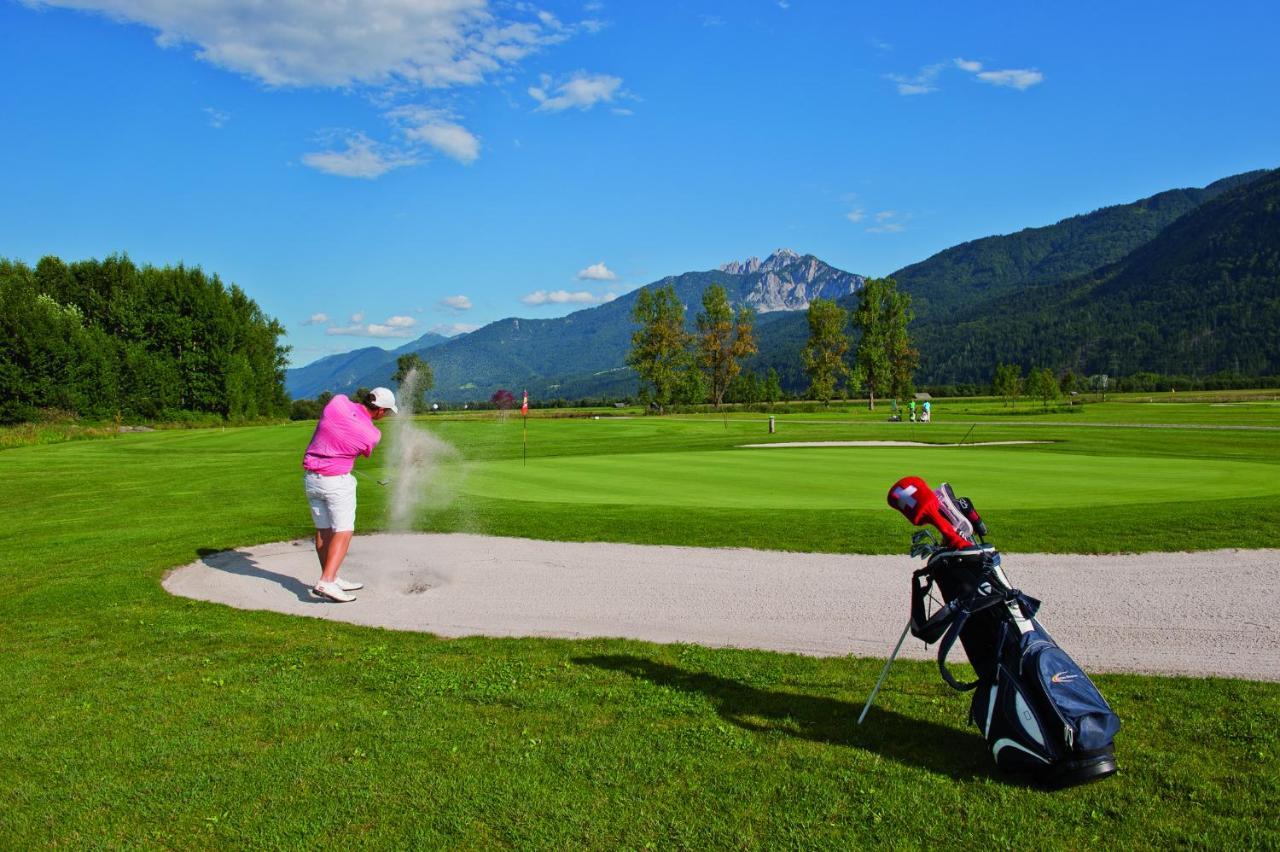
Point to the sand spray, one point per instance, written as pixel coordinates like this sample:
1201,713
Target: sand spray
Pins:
425,470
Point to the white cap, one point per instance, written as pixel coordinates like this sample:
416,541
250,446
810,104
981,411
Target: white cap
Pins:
384,398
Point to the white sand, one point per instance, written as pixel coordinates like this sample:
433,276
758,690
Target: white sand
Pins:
889,444
1208,613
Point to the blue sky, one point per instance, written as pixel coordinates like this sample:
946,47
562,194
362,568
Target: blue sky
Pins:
371,170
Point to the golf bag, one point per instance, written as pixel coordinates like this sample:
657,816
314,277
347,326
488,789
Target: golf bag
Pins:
1036,708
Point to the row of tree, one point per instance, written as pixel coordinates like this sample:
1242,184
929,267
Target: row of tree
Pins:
109,338
883,362
679,367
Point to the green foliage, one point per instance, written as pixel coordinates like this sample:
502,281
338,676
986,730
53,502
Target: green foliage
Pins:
1042,385
1006,383
723,339
659,347
104,337
423,379
885,359
1202,297
824,353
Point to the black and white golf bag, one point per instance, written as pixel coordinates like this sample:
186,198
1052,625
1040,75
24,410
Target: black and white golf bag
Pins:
1038,711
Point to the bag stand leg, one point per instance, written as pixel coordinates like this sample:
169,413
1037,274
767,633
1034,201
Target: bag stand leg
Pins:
885,671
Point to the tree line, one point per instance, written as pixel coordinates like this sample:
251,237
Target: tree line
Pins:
112,339
677,366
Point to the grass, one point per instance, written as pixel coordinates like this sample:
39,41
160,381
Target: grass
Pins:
136,719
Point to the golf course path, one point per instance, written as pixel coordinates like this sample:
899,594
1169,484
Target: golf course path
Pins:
1205,613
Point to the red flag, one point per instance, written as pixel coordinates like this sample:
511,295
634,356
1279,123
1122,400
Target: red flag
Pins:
524,406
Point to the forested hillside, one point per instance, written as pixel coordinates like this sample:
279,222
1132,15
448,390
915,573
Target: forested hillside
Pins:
994,268
106,338
1202,297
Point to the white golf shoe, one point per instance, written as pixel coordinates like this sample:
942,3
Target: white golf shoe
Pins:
333,592
348,586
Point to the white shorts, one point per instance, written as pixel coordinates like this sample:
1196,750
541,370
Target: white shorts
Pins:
332,500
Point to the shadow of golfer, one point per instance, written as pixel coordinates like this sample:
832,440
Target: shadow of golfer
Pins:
235,562
909,741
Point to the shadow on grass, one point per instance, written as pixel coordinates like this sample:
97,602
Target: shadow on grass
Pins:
909,741
235,562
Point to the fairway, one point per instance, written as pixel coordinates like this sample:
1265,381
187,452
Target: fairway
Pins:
858,478
139,719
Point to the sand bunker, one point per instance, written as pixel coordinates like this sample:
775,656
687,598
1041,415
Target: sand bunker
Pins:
1208,613
891,444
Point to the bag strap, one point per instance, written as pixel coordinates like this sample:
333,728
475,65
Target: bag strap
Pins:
970,605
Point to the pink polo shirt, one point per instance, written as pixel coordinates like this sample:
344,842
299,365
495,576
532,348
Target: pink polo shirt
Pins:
345,431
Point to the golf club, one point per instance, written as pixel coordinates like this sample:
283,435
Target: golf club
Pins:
383,482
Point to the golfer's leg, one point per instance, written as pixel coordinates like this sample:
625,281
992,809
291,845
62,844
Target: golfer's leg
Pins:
334,554
323,537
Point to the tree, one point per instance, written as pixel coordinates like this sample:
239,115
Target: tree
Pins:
824,352
885,360
1099,382
503,399
1042,385
772,391
1007,383
1068,383
659,347
724,337
414,389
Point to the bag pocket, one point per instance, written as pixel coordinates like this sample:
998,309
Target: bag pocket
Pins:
1087,721
1006,714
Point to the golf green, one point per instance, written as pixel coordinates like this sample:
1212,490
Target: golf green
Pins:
859,477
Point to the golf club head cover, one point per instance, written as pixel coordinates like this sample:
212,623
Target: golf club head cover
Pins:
913,497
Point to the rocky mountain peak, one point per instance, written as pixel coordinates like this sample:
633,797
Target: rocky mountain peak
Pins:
779,259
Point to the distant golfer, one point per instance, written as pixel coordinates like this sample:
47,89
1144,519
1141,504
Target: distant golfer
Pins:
345,431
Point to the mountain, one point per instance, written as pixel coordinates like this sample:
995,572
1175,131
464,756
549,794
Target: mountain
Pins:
994,267
583,354
976,278
1202,297
346,369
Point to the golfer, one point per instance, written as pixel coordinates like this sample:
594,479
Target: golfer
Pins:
345,431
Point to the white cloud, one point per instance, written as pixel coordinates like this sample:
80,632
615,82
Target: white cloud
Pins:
887,228
449,329
856,215
711,20
564,297
421,43
217,118
316,319
886,214
1013,78
437,129
357,316
923,82
581,91
361,158
455,303
598,272
396,326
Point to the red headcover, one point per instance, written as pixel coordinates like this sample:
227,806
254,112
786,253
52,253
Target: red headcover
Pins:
913,497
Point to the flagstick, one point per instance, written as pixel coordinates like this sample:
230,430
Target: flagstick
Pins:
526,439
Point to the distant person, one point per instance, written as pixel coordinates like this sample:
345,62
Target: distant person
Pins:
912,406
928,412
345,431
